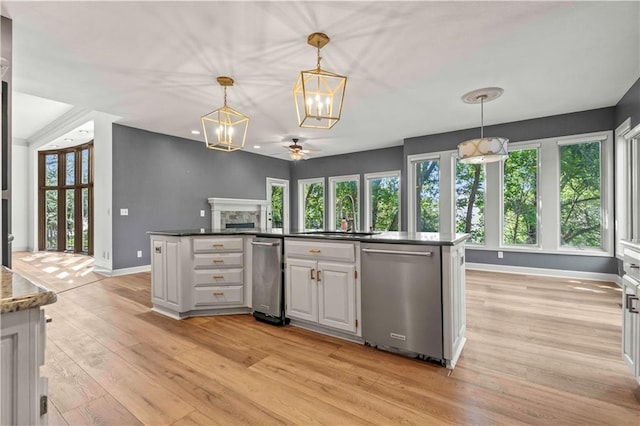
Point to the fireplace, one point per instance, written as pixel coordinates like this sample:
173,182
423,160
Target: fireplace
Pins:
238,213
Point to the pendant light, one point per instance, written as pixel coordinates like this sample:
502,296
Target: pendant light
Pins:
318,93
484,149
225,129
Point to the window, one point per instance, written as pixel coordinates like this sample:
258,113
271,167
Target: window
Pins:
65,206
627,184
278,203
344,202
311,203
581,221
382,194
520,198
427,195
470,185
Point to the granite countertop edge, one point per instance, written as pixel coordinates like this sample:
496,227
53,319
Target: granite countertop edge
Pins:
20,293
420,238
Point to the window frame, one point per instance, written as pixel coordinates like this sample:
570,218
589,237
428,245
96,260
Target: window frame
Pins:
284,183
522,146
301,206
368,178
446,176
332,200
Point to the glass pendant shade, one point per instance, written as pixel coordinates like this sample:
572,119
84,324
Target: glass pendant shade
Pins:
483,149
225,129
296,155
319,94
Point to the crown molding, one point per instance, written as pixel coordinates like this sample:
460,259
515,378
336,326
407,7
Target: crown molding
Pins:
63,124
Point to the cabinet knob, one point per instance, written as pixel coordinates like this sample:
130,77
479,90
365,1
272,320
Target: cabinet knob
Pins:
218,293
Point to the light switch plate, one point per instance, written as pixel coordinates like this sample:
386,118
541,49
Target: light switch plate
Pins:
124,212
500,255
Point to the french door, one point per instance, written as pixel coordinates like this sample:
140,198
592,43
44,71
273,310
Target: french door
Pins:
65,200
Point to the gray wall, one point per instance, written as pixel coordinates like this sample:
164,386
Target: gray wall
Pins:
165,181
629,106
538,128
378,160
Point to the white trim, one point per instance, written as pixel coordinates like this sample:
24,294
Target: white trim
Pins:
543,272
621,221
537,249
284,183
368,177
524,247
411,185
332,199
122,271
301,207
219,205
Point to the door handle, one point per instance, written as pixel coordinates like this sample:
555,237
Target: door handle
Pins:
319,279
260,243
629,304
313,276
408,253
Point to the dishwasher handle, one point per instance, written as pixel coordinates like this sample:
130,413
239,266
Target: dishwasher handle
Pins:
260,243
408,253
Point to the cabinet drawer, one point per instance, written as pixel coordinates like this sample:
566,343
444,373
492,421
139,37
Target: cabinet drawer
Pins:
632,263
218,277
212,245
217,260
231,295
342,252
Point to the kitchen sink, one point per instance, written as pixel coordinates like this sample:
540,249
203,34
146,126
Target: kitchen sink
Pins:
338,233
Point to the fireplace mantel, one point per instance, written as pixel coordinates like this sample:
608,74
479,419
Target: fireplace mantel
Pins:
219,205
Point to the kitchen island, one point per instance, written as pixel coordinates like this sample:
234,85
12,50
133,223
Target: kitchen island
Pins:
331,284
24,392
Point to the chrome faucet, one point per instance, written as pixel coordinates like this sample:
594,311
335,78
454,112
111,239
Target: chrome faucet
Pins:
351,221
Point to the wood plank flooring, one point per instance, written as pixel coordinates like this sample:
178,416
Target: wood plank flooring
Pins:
540,351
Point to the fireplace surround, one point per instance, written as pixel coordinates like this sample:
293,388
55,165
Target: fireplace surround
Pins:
236,211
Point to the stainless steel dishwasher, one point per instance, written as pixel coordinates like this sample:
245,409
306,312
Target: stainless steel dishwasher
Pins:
402,298
267,298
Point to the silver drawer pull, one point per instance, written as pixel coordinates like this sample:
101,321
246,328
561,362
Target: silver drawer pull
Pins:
408,253
634,266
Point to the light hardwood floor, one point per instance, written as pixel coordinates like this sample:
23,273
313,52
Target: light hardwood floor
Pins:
539,351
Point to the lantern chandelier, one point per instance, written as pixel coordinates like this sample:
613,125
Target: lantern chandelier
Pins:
483,150
225,129
318,93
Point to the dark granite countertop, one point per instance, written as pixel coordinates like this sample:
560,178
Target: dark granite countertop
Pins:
423,238
18,293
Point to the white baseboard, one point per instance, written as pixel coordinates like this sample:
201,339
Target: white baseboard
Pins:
26,248
560,273
123,271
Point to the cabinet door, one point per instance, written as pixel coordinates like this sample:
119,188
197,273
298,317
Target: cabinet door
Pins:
157,270
165,273
630,325
301,295
172,276
337,295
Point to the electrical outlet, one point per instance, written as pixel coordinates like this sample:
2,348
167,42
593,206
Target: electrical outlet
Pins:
124,212
500,255
201,213
139,253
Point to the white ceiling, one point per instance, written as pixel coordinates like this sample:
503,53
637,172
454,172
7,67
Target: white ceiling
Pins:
408,63
32,113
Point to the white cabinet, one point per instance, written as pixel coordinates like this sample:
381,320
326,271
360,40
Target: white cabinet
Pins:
454,312
22,348
166,273
319,288
631,309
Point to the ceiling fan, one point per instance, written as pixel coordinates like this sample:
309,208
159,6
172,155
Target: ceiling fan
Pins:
297,153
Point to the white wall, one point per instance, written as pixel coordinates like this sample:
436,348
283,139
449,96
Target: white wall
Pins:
102,192
20,196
